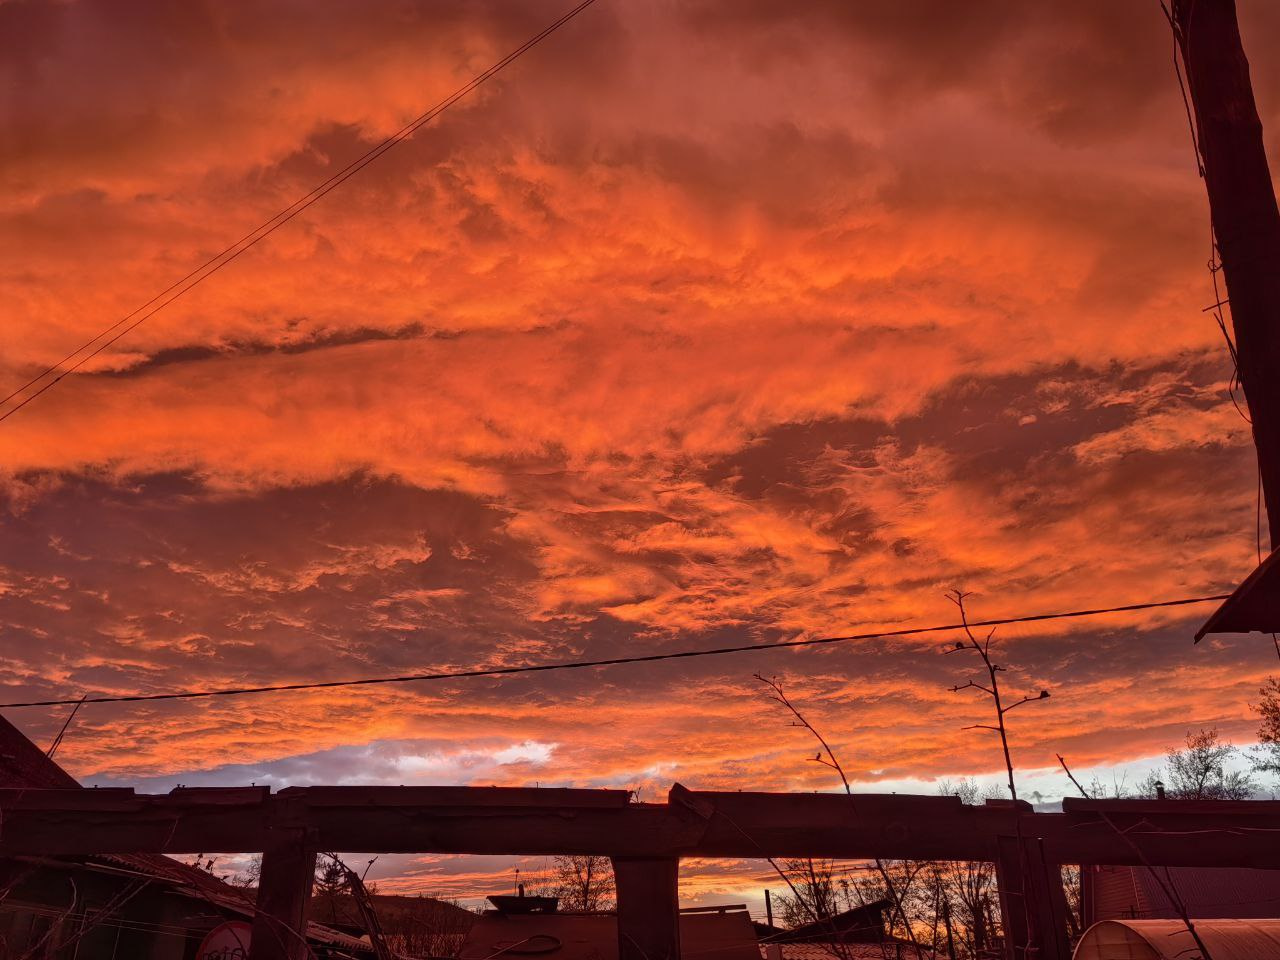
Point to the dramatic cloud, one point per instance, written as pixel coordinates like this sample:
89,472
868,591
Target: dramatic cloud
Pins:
703,323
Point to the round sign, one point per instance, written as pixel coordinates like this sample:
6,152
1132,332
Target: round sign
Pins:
227,942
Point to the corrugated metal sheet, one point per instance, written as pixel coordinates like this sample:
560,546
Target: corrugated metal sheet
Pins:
1126,893
1170,940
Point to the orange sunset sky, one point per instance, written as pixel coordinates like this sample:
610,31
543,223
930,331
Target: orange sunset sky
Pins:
707,322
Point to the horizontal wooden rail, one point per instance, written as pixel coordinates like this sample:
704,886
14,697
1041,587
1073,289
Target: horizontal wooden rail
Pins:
495,820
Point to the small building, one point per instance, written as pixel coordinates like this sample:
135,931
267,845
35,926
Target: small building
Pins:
852,935
863,924
117,906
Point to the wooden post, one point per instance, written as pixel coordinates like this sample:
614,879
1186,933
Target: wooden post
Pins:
284,891
648,907
1033,905
1245,217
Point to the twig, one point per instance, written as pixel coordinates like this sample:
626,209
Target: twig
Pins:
1072,777
1170,888
983,649
834,763
57,741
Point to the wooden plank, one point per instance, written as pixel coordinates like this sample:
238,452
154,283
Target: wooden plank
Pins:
457,797
284,890
825,804
75,798
648,907
218,796
863,825
1082,806
637,829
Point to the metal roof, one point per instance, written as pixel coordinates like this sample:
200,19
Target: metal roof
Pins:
1224,893
23,764
1170,940
579,936
1253,607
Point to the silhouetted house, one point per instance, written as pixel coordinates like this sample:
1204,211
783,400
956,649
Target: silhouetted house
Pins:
714,933
853,934
115,906
864,924
1132,893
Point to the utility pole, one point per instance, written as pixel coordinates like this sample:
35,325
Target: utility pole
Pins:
1246,222
768,908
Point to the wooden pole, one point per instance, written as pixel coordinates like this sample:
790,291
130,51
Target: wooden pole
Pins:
1246,221
1033,905
648,907
284,891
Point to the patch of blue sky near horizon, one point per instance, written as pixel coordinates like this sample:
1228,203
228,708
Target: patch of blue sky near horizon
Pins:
382,763
444,763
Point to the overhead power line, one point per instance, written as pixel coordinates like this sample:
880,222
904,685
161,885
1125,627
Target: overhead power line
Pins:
617,661
215,263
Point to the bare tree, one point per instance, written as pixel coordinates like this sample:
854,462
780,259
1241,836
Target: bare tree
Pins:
1267,757
425,927
330,884
584,883
972,903
250,875
815,893
1199,771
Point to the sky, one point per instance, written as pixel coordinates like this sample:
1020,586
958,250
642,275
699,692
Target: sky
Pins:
705,323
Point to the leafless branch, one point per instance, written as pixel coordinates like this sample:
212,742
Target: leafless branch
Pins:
780,697
1072,777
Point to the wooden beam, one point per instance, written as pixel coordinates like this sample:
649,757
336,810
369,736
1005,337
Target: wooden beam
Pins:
470,797
284,892
693,824
648,907
1246,220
